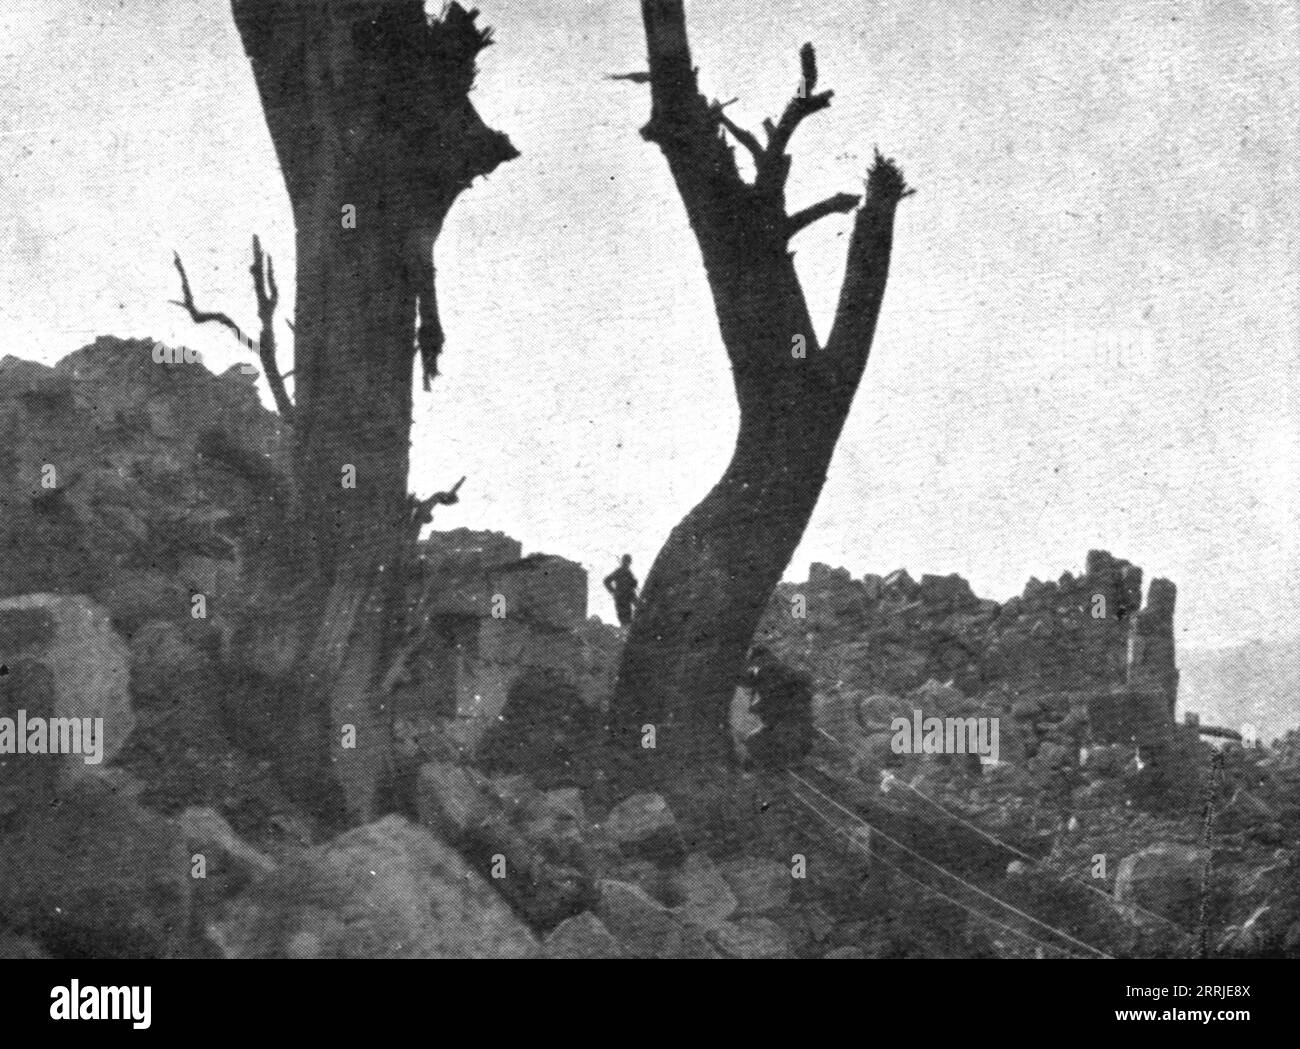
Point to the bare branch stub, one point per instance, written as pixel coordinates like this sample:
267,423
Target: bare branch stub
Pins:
745,137
268,297
683,125
428,68
865,273
264,287
775,168
421,510
839,204
196,315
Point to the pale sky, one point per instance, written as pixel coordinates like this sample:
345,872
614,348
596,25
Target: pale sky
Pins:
1089,337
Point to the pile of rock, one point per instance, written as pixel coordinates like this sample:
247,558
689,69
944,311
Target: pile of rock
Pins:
622,886
104,491
1067,663
1079,634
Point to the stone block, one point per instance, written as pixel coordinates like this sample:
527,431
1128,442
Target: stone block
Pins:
87,671
545,589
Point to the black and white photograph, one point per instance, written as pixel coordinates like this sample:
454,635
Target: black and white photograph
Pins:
650,479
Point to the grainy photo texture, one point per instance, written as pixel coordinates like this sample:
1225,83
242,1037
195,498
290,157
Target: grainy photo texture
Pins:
648,479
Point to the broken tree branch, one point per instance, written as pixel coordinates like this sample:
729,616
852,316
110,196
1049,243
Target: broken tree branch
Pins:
688,130
746,138
268,297
196,315
865,273
429,335
839,204
421,510
775,167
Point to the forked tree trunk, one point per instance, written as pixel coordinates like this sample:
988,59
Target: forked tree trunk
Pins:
713,579
367,103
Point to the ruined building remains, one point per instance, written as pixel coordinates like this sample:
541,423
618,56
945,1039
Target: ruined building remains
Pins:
494,618
1083,649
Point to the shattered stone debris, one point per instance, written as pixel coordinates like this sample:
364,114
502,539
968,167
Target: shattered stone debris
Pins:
130,489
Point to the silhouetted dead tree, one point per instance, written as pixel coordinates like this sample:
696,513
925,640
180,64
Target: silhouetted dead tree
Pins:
367,103
714,577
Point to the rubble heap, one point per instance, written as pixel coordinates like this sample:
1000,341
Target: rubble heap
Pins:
104,490
496,628
117,511
1083,652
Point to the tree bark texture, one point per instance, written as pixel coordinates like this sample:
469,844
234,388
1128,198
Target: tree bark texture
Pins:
713,579
367,103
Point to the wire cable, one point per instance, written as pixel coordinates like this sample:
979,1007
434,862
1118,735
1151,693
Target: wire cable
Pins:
974,888
1064,875
856,843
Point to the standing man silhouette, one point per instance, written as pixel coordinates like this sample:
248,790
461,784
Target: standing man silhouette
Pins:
622,584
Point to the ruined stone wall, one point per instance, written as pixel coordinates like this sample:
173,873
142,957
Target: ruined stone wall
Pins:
105,491
500,618
1075,643
110,487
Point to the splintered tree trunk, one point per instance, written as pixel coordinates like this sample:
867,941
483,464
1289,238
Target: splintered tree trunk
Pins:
367,103
713,579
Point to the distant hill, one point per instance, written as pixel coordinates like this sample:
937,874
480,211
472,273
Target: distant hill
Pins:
1257,683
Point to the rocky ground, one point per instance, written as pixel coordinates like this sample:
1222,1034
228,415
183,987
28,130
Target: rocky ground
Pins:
184,844
185,840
